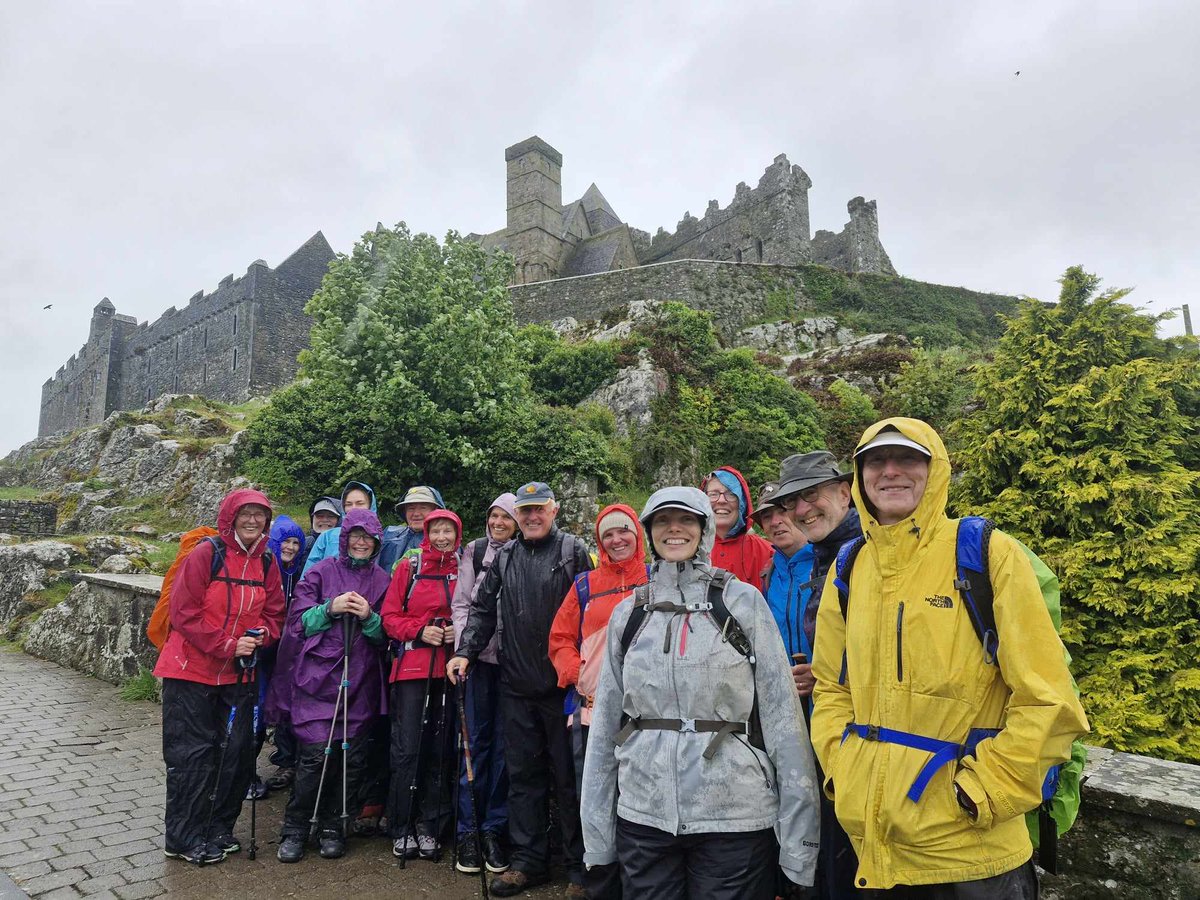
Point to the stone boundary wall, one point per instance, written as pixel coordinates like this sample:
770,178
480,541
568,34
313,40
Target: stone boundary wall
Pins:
100,628
27,517
1138,832
735,293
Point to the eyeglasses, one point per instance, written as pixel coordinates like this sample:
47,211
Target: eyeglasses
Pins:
714,496
808,495
248,516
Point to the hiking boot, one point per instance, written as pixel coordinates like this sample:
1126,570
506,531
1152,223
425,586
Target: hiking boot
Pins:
333,845
467,855
291,849
204,853
493,853
257,789
514,882
577,891
427,845
281,779
227,843
405,846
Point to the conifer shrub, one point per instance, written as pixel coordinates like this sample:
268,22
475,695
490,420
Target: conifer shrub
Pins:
1084,445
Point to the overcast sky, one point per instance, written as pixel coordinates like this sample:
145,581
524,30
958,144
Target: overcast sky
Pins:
148,149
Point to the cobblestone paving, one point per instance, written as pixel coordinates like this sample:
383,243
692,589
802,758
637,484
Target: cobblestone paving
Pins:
81,807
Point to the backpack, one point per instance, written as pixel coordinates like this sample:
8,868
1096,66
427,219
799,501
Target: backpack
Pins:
1060,790
415,556
159,626
478,552
731,633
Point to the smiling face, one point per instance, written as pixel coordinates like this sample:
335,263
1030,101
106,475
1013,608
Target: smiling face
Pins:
894,480
781,530
359,544
356,499
323,521
250,522
443,536
535,521
415,513
725,506
675,534
500,525
288,550
619,543
819,516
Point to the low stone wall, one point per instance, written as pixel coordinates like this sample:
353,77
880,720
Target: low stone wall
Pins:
27,517
100,628
1138,832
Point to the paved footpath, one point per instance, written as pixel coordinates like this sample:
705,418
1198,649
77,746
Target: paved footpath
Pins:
81,810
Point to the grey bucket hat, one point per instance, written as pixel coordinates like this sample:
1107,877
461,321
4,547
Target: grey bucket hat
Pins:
805,470
766,498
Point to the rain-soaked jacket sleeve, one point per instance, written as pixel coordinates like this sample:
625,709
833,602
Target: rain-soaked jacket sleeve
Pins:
786,737
832,706
1044,716
481,619
460,606
598,804
564,654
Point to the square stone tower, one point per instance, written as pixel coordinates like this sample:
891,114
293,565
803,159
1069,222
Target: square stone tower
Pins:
534,232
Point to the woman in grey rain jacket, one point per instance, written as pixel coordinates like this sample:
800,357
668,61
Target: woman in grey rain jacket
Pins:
680,785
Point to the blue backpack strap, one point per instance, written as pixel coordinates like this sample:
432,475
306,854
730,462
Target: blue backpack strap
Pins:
842,566
973,580
583,592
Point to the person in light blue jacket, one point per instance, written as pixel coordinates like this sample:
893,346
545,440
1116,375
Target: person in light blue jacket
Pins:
355,495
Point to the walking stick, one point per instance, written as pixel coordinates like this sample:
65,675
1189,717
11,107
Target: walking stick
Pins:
466,745
337,704
250,663
445,724
212,797
347,637
412,787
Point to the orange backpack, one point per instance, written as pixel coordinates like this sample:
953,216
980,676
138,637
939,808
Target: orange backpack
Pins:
160,620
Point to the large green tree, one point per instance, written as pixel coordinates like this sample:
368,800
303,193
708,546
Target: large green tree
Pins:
1084,445
415,375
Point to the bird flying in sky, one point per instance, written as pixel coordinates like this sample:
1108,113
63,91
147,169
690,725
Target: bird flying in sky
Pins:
47,306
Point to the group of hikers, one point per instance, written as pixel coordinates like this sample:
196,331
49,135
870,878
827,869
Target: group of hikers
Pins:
697,711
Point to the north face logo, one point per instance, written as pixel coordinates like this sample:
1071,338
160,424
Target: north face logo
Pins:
940,602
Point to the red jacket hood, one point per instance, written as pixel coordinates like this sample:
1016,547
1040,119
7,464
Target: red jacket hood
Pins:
234,501
635,563
431,557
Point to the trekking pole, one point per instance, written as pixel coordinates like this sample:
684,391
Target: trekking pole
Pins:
457,789
445,723
412,787
337,704
347,637
248,664
466,745
212,797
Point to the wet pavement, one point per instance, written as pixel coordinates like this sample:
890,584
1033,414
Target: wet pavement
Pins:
81,807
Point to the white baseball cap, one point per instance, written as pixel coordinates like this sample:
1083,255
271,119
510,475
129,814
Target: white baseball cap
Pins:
890,437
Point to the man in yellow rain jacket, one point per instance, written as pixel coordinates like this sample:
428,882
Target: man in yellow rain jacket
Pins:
904,676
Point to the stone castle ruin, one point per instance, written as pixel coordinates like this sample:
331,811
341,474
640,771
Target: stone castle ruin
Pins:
240,341
765,224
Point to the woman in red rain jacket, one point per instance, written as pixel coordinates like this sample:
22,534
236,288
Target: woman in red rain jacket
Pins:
416,615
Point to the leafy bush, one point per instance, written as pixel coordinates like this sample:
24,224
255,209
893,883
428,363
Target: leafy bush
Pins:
845,414
934,386
568,373
1077,445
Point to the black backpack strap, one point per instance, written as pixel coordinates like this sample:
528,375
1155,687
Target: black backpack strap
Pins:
637,615
732,633
478,552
